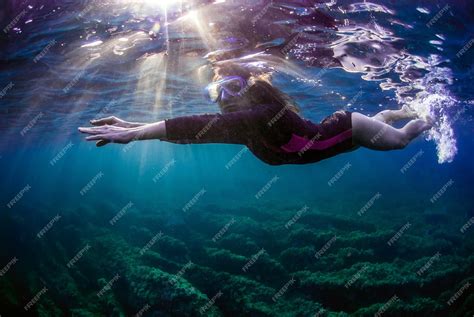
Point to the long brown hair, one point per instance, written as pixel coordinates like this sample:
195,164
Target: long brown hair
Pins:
260,92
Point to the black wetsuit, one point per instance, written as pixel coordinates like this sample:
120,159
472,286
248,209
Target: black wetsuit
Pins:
275,134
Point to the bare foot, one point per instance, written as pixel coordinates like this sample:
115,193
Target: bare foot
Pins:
416,127
408,112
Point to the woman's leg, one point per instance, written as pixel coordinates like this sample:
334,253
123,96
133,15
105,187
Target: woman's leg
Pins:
374,133
389,116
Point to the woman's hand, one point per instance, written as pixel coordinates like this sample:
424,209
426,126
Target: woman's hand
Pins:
111,134
116,122
115,130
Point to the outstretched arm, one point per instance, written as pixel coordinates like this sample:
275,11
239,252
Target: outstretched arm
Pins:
106,133
236,128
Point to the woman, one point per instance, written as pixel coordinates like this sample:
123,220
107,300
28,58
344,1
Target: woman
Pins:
258,115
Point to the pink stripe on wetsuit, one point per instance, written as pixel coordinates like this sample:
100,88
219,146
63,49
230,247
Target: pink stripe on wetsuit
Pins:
274,134
299,144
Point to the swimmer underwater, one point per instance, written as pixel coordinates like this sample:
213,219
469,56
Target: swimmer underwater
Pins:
258,115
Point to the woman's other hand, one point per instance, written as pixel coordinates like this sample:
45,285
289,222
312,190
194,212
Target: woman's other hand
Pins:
105,134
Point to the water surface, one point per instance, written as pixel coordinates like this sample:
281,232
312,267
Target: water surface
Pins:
159,229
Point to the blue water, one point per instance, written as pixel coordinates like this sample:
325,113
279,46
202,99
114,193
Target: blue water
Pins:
64,63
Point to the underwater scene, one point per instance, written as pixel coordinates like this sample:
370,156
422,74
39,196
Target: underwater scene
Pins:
151,228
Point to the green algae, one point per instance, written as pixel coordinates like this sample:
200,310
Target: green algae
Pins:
355,276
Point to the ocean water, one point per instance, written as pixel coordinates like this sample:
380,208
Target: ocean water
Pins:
158,229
